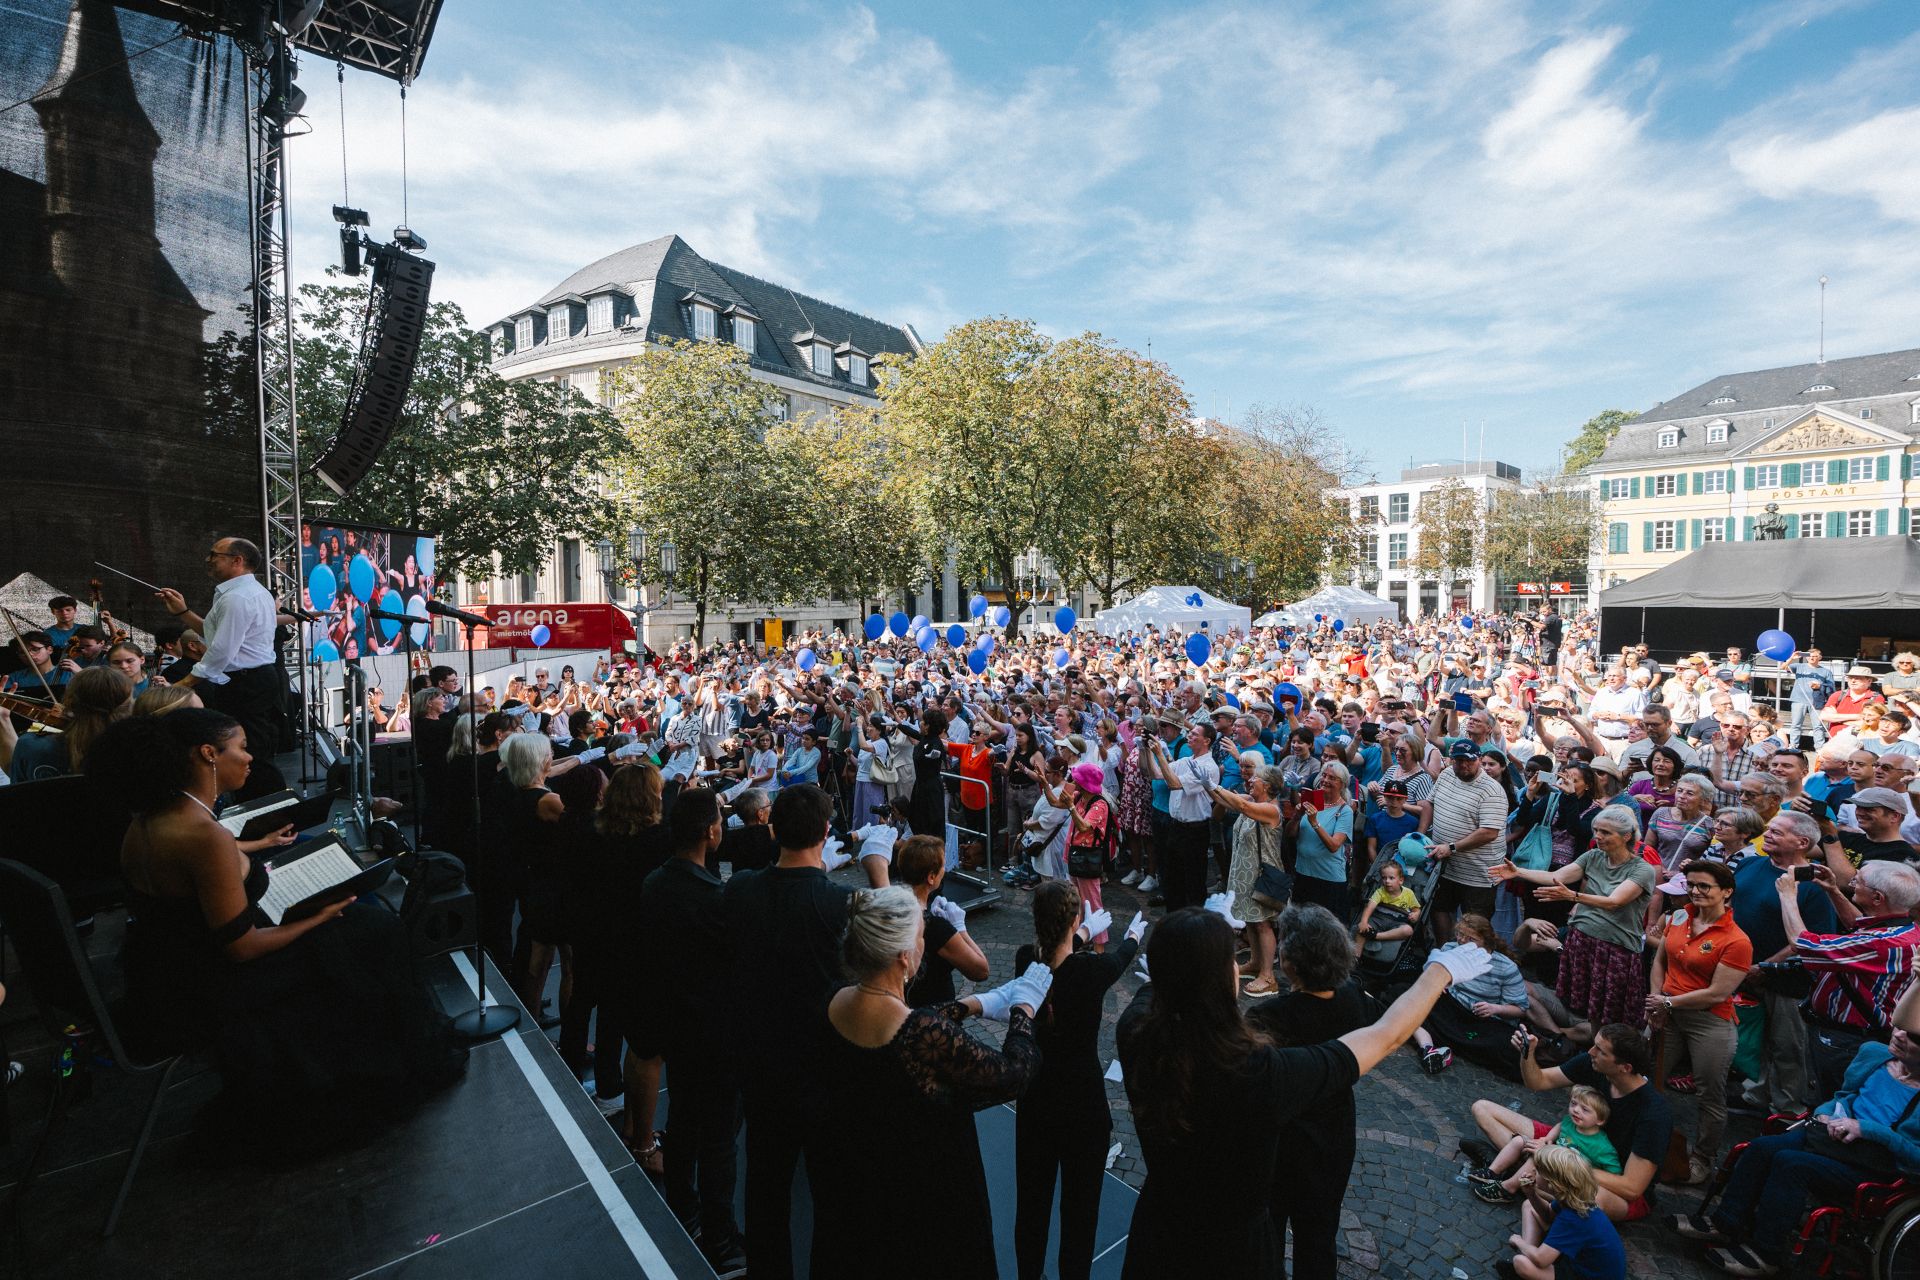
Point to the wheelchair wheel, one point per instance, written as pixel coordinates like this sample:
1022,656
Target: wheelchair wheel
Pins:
1896,1243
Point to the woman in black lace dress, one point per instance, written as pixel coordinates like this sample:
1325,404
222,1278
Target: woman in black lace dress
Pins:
901,1088
318,1025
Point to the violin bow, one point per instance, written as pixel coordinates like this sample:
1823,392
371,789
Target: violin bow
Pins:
22,645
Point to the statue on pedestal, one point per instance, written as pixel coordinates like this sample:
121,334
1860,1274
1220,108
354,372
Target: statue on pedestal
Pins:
1771,526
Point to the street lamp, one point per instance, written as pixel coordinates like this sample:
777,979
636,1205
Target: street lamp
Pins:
637,547
669,563
604,550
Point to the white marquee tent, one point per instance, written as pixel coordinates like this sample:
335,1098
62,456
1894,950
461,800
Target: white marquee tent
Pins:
1186,609
1351,605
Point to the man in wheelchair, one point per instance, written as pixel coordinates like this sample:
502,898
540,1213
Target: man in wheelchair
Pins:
1868,1131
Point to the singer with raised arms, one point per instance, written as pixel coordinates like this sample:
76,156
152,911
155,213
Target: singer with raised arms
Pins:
239,674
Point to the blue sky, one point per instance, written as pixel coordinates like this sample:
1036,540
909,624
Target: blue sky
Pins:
1411,215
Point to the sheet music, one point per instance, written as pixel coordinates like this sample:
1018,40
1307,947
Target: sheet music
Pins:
296,881
236,820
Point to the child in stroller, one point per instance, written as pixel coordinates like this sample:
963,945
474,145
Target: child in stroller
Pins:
1392,938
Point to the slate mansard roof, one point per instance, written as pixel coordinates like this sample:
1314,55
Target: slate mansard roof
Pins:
653,287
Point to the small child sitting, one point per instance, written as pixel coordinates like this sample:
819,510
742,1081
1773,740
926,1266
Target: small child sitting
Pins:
876,843
1503,1181
1560,1225
1393,892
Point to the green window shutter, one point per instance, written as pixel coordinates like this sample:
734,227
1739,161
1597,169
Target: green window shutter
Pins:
1906,466
1634,490
1880,467
1696,536
1749,480
1746,529
1617,539
1790,475
1903,522
1837,471
1880,520
1646,535
1836,524
1730,480
1793,526
1680,485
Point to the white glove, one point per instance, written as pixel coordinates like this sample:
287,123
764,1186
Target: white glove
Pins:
950,911
830,856
1098,921
1144,975
1221,904
1463,963
1033,986
1138,930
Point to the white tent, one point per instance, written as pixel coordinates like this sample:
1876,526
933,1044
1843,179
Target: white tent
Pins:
1186,609
1351,605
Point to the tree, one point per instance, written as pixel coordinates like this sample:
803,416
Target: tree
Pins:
1546,531
1595,434
1448,525
493,469
698,472
1283,465
988,460
1140,471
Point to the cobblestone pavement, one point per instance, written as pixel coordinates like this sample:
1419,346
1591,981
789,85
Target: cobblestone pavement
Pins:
1405,1213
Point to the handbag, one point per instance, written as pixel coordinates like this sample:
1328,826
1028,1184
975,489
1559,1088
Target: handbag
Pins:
1272,884
882,769
1535,850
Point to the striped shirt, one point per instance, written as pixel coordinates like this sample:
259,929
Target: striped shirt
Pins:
1460,809
1875,960
1732,766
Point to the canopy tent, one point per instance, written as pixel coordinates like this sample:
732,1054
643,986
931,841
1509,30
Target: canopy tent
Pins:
1173,608
1354,607
1844,595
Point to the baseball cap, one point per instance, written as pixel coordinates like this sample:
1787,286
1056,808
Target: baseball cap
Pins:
1394,787
1723,673
1880,798
1463,750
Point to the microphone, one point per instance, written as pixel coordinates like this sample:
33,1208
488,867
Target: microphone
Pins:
439,610
390,616
295,611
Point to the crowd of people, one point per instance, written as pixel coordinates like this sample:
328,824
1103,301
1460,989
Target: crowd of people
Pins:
1585,871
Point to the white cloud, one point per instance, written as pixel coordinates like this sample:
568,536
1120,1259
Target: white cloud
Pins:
1871,159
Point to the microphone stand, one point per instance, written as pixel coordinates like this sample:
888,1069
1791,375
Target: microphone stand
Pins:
480,1022
407,622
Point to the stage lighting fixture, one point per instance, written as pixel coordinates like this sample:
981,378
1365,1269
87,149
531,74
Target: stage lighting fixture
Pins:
405,238
349,217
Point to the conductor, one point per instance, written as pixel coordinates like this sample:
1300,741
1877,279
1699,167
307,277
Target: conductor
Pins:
238,674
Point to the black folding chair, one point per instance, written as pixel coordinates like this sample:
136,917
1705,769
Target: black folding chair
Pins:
40,926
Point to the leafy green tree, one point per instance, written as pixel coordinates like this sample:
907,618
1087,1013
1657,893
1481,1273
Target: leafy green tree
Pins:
1546,531
1595,434
698,471
498,471
1448,528
1283,466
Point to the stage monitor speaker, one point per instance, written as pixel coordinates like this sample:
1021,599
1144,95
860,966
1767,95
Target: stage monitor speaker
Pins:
396,321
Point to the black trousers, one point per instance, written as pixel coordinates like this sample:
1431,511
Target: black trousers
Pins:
1183,865
1076,1150
703,1122
255,697
591,974
1306,1196
776,1140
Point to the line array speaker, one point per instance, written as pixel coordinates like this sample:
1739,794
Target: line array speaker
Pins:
397,317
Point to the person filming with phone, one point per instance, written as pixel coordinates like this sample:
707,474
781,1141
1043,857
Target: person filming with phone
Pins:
1790,841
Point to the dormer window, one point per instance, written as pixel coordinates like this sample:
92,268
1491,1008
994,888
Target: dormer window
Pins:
1818,386
557,324
857,370
743,333
1916,412
600,314
1866,413
523,332
706,322
1722,399
823,359
1717,433
1670,438
502,341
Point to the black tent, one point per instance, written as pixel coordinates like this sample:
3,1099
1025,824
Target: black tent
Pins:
1852,597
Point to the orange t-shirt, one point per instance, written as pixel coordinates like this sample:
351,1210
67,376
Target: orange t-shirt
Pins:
976,764
1692,958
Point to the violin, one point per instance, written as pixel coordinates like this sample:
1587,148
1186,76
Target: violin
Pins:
45,714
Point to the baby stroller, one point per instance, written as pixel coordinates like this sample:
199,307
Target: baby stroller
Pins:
1387,968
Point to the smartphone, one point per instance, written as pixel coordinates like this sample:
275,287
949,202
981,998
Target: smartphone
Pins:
1803,874
1463,702
1819,808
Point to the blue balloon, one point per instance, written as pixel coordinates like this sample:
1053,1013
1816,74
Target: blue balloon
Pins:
1317,617
417,608
1230,700
977,661
1002,616
1064,619
898,624
875,625
1286,690
805,659
388,628
976,605
423,555
360,578
1339,624
1775,644
326,651
989,643
1197,600
1061,657
956,635
1466,624
540,635
928,638
322,586
1199,649
919,620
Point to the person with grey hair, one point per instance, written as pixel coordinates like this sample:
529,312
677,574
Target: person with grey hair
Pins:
750,844
917,1077
1791,839
1859,975
1256,845
1323,1003
1600,970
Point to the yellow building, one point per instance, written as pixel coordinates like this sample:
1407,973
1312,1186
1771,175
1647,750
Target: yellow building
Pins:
1830,446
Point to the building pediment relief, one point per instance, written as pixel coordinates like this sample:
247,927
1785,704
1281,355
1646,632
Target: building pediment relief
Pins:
1821,432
